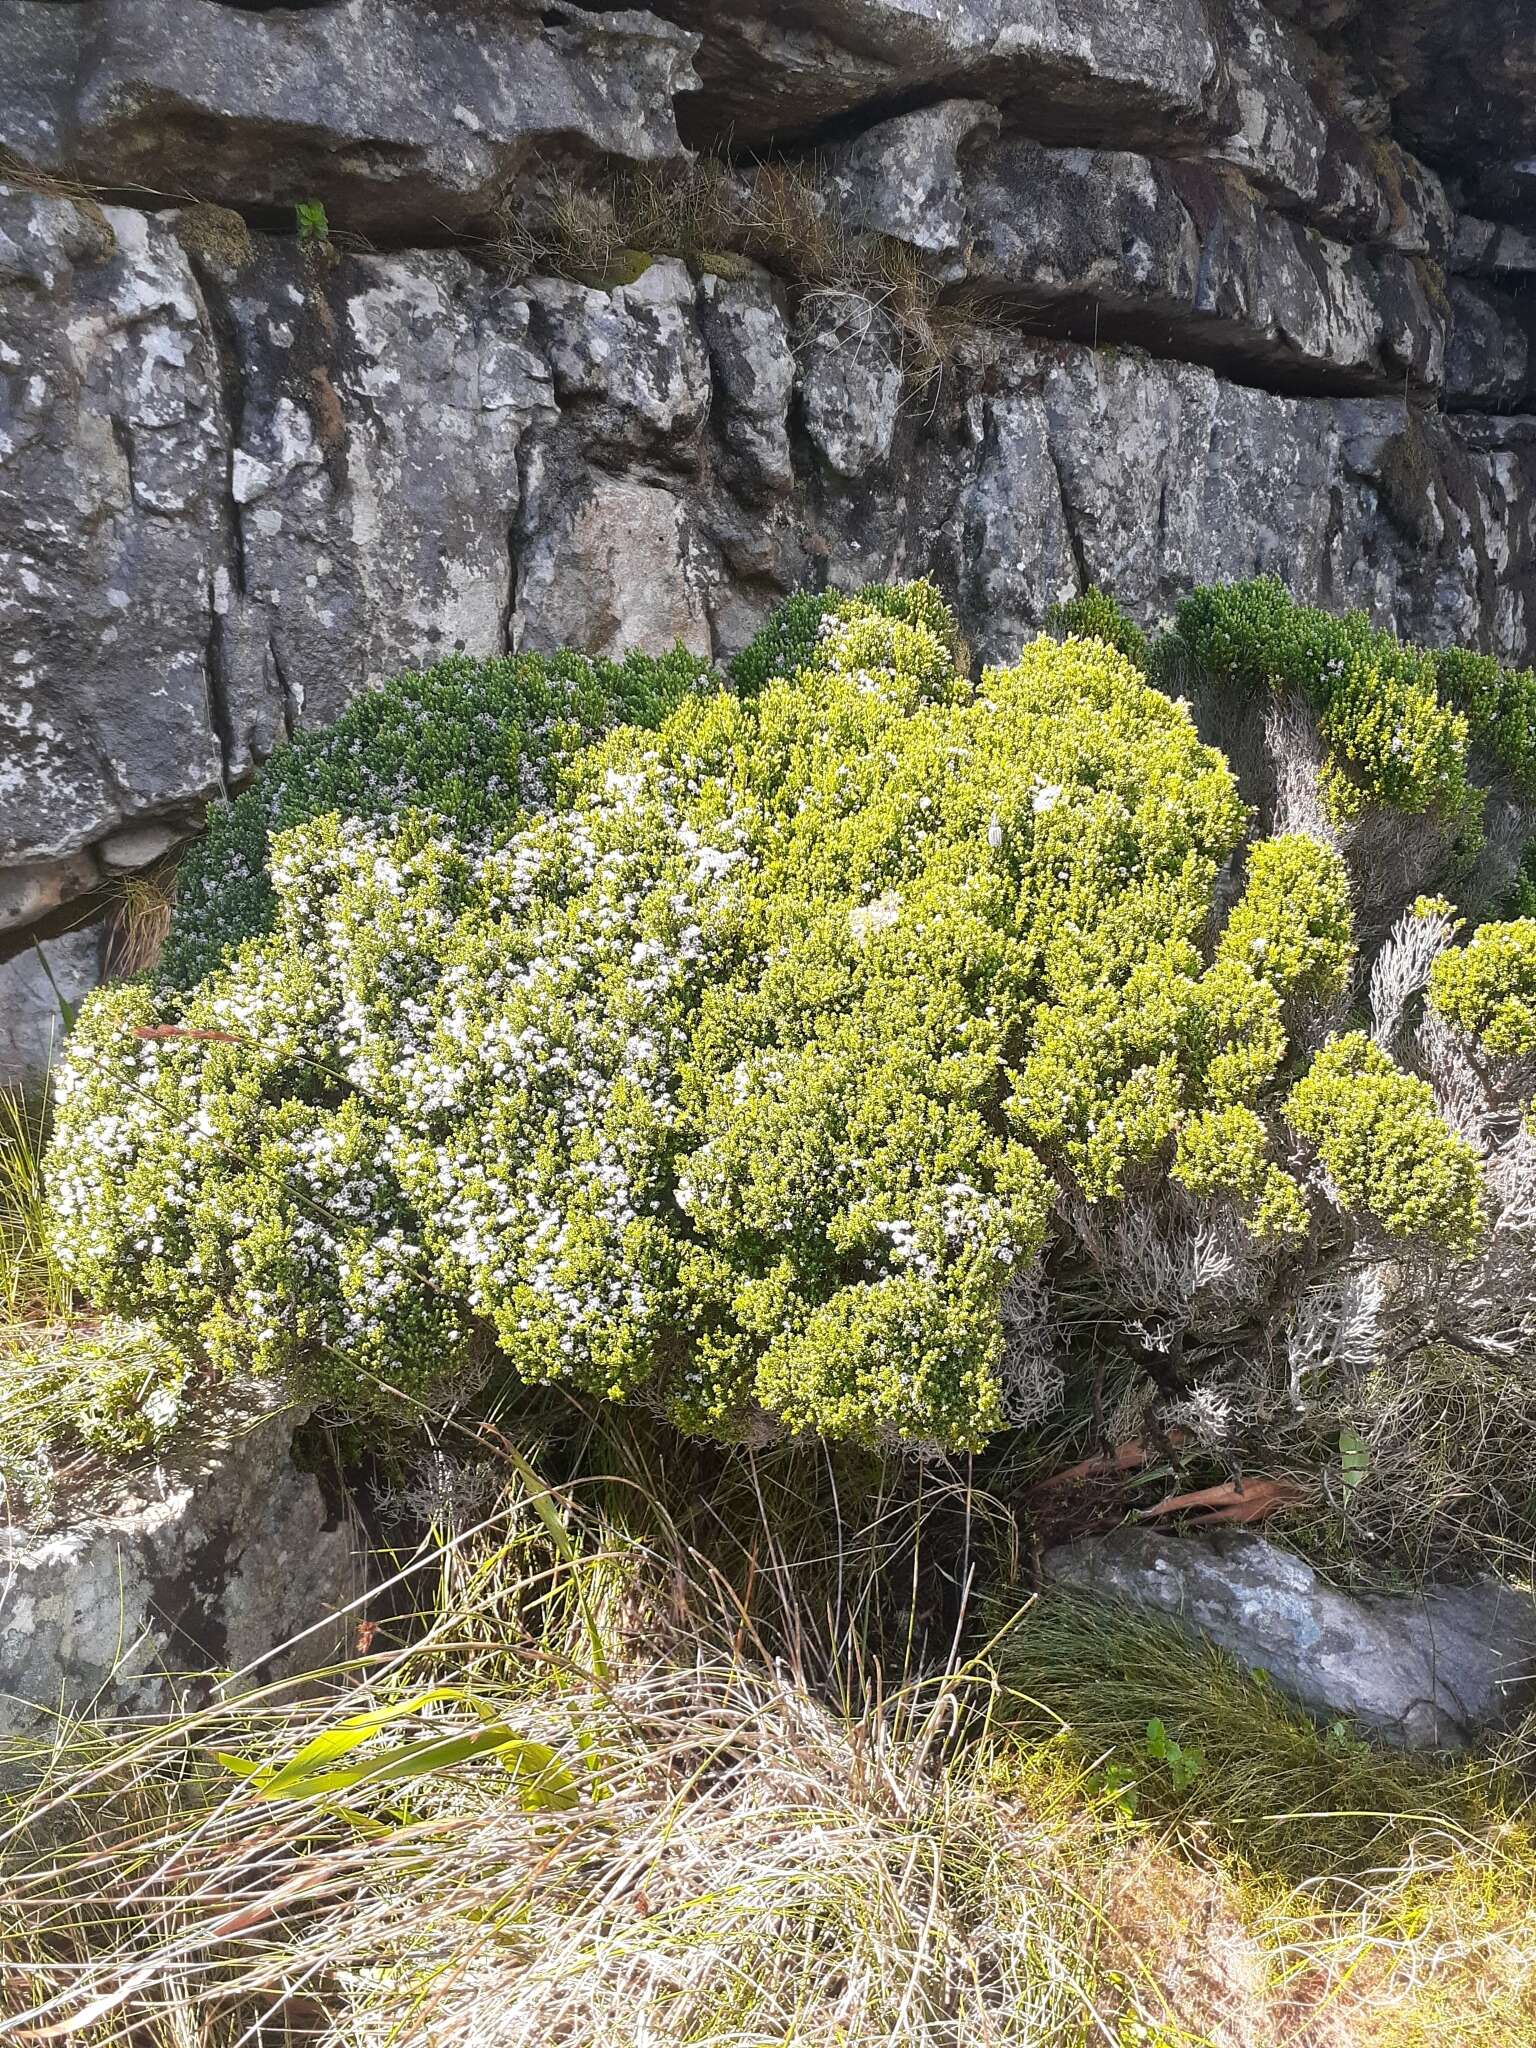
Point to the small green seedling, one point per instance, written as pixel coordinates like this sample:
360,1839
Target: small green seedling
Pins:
1354,1459
1116,1784
310,221
1184,1763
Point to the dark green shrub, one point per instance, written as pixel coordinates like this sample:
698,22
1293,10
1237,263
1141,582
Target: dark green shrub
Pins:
1399,720
473,744
789,640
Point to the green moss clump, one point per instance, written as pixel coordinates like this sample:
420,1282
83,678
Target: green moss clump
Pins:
217,236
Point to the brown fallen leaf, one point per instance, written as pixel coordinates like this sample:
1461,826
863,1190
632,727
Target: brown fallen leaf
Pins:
1129,1457
1124,1458
1232,1500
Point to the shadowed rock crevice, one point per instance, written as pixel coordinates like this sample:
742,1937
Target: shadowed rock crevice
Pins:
211,1562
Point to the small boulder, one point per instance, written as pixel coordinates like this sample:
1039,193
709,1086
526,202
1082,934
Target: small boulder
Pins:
1422,1671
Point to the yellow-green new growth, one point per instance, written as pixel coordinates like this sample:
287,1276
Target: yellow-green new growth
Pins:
1292,927
1387,1153
1226,1152
1488,986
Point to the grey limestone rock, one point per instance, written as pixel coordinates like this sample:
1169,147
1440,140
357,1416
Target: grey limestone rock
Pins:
1426,1671
850,382
630,363
226,1562
374,476
1110,245
1491,362
618,564
113,461
904,178
1093,67
754,378
34,987
401,118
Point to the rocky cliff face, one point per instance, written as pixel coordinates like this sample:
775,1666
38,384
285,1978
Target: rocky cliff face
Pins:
1225,287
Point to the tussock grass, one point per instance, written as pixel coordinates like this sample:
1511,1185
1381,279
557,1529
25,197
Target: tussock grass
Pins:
781,1819
725,219
1273,1794
1445,1471
33,1286
141,918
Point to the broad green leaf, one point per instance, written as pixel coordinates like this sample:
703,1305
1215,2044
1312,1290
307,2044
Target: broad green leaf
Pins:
1354,1458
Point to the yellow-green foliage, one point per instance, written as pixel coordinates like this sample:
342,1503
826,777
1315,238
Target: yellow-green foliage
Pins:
1387,1152
1398,720
1226,1152
789,639
1391,740
1096,616
1292,924
1488,986
1500,708
745,1076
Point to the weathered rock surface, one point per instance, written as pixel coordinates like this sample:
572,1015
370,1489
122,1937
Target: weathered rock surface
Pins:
1492,360
1427,1671
401,119
772,69
34,988
1185,259
208,1566
1463,86
1492,248
381,405
113,461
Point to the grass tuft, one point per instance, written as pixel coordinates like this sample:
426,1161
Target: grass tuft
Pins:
33,1285
650,1768
724,219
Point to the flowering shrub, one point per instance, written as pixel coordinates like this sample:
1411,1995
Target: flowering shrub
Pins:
859,1049
473,743
1394,735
